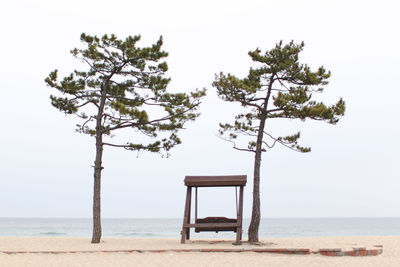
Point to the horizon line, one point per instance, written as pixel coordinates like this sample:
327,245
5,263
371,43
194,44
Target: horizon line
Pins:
175,218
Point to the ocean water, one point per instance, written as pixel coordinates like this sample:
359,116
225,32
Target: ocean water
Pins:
170,228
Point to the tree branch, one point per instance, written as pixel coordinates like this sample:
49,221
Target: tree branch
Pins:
274,110
234,145
281,142
282,84
127,147
84,124
93,67
84,104
269,145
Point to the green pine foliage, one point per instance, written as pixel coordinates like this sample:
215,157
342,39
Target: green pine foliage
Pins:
280,87
127,84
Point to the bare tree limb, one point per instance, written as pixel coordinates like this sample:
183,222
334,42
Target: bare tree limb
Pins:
281,142
234,145
127,147
269,145
84,124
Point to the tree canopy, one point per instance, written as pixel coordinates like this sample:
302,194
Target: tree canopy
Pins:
127,83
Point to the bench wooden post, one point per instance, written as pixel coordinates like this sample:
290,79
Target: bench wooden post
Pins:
240,219
188,213
185,234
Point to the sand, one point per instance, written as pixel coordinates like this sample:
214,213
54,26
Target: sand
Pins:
86,255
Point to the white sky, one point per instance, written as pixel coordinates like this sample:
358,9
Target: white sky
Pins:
352,171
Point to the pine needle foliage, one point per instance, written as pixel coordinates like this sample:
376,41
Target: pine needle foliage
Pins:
124,81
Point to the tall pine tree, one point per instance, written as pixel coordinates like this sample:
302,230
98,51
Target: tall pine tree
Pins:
280,87
123,87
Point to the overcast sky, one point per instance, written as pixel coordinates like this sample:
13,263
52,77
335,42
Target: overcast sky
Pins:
352,171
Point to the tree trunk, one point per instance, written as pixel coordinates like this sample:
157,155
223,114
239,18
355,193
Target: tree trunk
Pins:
97,190
256,213
97,168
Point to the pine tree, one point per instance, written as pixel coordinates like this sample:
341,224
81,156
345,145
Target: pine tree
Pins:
280,87
123,87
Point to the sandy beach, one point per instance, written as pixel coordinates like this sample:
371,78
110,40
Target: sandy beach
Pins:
86,254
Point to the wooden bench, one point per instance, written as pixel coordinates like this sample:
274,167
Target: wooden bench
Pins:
213,223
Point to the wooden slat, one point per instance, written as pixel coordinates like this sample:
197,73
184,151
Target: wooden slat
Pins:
227,180
222,225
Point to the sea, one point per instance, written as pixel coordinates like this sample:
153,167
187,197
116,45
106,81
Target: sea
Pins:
171,228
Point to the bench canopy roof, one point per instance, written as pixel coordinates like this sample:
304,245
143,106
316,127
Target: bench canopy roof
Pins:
210,181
